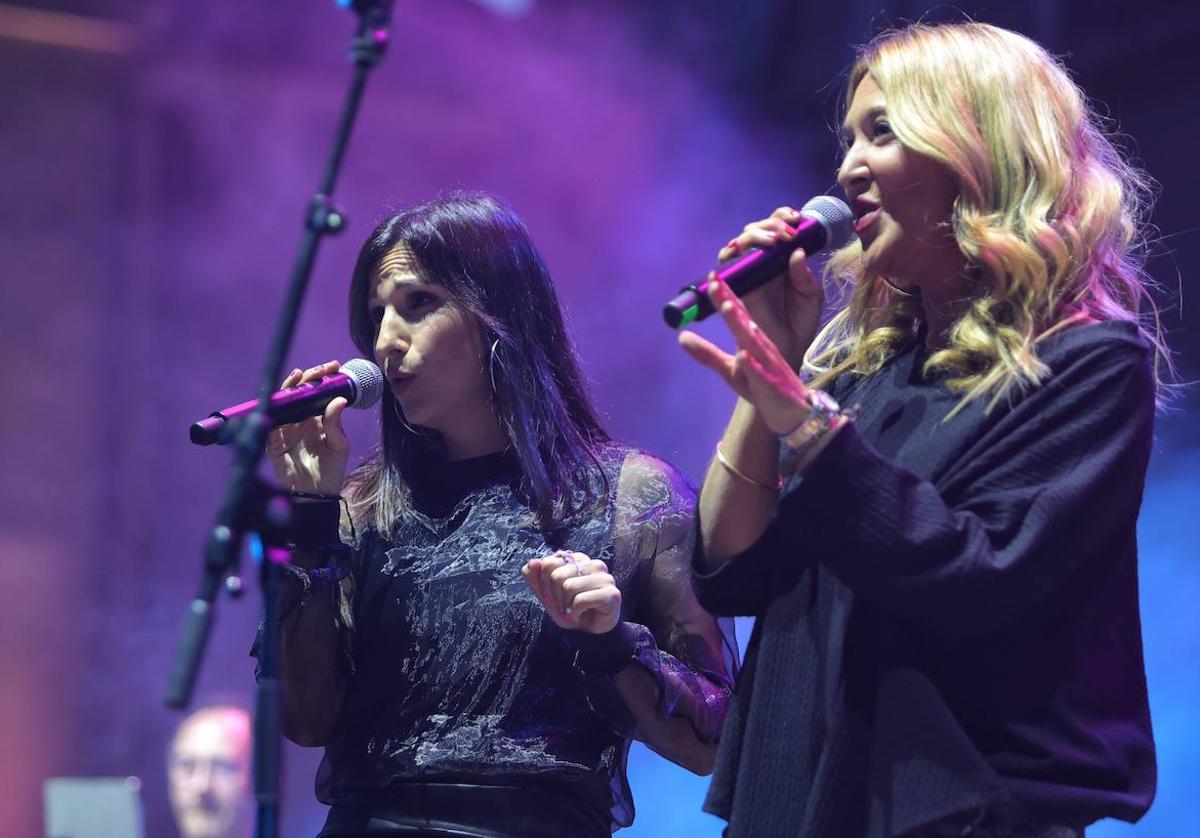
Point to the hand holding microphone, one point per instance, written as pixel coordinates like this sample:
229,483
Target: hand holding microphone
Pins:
311,455
308,448
764,251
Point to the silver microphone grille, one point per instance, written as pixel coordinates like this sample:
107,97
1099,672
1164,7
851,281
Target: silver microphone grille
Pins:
835,217
368,382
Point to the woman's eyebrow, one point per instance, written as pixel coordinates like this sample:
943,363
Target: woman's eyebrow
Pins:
400,277
877,110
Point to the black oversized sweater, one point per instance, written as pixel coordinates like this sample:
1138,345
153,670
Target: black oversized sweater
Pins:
947,610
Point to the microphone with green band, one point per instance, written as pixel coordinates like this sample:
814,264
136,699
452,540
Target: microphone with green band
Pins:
825,222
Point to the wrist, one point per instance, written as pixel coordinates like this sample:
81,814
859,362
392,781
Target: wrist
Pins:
795,416
315,524
820,420
748,424
815,407
603,654
774,484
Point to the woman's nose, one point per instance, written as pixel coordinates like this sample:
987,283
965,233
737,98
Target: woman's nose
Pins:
853,172
393,331
393,338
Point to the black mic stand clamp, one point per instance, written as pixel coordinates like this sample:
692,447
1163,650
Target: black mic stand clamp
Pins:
324,217
371,39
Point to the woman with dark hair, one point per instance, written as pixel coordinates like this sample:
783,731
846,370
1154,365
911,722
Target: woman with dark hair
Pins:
944,572
508,601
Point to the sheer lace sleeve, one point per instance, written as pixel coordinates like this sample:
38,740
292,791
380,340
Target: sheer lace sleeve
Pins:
664,675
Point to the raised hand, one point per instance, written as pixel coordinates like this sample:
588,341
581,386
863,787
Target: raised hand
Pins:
311,456
577,592
758,371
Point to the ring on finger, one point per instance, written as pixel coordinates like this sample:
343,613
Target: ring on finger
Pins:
572,558
567,556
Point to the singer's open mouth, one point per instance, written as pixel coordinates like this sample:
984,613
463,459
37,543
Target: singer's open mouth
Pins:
866,220
862,206
865,211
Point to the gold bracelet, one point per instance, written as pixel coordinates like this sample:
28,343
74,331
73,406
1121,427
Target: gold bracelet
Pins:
732,469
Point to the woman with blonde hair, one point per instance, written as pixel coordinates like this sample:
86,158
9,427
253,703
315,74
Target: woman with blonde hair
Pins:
934,521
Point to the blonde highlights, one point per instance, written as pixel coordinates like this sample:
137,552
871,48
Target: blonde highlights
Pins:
1048,214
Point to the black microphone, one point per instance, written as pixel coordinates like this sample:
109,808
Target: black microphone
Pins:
824,222
359,381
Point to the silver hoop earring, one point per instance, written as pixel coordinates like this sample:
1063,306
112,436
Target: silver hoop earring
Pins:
492,369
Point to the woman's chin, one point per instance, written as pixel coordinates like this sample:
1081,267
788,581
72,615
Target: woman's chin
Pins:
414,416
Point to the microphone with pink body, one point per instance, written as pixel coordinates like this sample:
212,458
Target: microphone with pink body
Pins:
360,382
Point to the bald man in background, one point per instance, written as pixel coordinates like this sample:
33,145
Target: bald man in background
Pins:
208,773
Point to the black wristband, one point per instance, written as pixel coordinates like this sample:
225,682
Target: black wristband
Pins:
316,524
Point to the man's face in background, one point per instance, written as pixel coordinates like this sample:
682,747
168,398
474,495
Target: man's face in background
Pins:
208,772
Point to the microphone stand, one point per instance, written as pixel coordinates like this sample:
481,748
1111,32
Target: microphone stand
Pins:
250,505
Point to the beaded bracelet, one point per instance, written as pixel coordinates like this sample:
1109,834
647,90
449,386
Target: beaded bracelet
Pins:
329,574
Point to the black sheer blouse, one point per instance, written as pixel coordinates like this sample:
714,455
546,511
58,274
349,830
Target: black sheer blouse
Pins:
454,673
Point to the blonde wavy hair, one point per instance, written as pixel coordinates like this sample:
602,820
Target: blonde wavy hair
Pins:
1049,215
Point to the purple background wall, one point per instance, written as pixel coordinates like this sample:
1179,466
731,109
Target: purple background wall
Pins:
154,173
